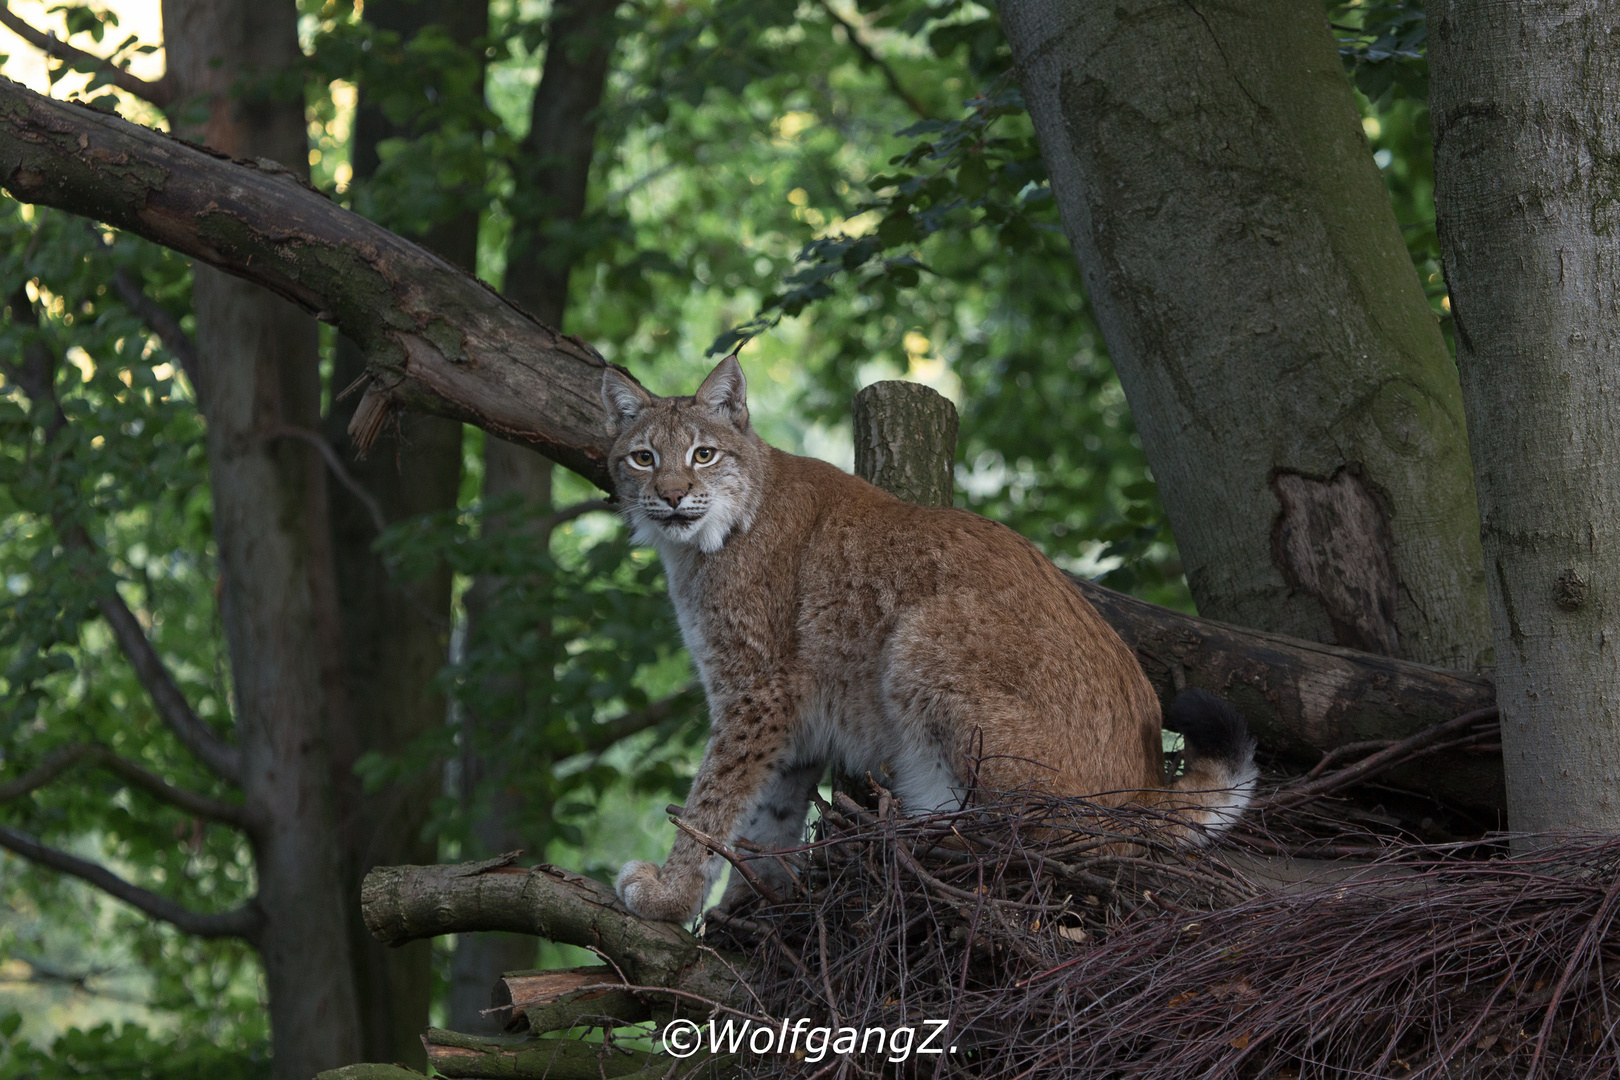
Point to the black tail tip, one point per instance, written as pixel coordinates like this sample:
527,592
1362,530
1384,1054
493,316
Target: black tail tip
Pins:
1210,726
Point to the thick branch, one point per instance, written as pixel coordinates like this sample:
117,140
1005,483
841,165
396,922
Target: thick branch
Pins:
404,903
244,922
221,758
159,93
435,338
64,758
1302,698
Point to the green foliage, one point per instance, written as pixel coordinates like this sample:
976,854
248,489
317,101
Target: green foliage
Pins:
1384,48
557,644
124,468
128,1052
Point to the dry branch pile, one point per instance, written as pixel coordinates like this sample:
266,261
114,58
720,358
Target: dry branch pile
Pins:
1054,952
1060,939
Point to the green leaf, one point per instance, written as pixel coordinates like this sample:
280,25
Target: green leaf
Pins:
897,229
973,178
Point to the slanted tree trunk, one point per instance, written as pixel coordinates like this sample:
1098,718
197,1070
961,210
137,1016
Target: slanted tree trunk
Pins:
257,373
1526,144
395,631
1293,393
551,186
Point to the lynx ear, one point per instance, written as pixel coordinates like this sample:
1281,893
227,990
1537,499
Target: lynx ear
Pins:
623,399
726,391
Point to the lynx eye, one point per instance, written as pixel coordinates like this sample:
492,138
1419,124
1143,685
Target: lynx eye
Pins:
705,455
643,458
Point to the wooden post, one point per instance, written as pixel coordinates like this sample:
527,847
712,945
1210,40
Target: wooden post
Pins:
905,441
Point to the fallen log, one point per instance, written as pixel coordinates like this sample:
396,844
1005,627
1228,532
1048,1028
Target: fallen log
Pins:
439,340
1303,698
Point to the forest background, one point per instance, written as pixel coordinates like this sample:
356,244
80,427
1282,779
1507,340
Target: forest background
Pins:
852,190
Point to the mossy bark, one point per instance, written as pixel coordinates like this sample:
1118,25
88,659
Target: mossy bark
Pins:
1527,166
1292,389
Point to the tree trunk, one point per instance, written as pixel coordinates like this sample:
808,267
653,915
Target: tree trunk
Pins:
257,372
1292,390
396,631
552,177
1526,139
480,960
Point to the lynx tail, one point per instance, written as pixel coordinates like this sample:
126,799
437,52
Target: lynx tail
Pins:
1220,778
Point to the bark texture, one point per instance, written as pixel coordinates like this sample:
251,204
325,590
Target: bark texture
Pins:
257,372
1526,114
1248,274
406,903
1302,698
905,441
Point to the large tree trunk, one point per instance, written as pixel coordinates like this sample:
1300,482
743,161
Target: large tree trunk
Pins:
257,372
551,186
1292,390
396,631
1526,136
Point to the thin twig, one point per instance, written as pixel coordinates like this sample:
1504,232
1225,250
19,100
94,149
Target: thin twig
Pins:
244,922
876,61
159,93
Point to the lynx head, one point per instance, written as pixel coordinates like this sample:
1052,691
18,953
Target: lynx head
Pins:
687,469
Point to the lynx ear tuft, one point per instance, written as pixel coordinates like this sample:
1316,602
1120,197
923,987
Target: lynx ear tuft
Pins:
726,391
623,398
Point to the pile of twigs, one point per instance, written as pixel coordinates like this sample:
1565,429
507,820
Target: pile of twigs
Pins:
1060,940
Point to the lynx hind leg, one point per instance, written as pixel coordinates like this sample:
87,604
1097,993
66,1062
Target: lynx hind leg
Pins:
775,822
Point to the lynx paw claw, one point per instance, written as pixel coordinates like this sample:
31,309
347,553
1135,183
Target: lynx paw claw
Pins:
641,888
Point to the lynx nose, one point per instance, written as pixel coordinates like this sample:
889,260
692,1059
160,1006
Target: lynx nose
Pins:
673,496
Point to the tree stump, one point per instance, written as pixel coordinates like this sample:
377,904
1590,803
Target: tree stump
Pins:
905,441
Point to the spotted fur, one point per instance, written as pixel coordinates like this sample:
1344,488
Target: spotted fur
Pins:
831,622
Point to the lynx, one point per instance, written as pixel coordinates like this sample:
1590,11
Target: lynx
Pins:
831,622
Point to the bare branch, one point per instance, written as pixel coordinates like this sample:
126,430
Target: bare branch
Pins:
192,802
624,725
876,61
499,369
56,763
221,758
245,922
64,758
159,93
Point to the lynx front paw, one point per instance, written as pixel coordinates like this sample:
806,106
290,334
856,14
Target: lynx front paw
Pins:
644,891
